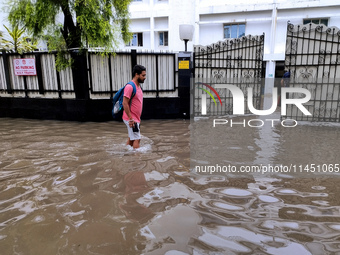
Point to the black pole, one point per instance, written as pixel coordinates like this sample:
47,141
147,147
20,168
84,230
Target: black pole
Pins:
80,76
110,76
7,73
133,58
184,76
186,42
157,81
25,85
39,73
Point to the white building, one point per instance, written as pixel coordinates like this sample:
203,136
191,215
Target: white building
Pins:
155,23
214,20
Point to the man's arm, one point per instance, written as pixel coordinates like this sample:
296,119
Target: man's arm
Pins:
126,106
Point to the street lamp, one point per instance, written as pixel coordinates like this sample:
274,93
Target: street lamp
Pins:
185,33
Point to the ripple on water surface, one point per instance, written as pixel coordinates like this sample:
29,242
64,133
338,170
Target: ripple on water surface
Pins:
61,182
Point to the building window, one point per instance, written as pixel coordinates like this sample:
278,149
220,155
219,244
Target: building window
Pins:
316,21
234,30
163,38
137,40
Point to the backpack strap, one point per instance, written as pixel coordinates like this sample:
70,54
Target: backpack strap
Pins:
134,89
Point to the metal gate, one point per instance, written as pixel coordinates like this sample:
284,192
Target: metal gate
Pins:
233,61
313,59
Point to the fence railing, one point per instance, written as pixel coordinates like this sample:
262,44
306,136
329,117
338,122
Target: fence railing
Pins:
313,60
106,74
232,61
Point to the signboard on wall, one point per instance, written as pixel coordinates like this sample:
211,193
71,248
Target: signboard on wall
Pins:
24,66
184,64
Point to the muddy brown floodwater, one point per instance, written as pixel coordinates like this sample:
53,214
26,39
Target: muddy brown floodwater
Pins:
76,188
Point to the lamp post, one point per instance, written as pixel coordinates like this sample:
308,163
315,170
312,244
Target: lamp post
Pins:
186,33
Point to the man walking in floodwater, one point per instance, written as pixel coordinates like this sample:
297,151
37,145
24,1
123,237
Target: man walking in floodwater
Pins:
133,106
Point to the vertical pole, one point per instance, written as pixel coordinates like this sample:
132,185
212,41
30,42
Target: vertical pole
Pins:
133,58
271,64
204,104
157,79
39,73
186,44
269,84
110,76
7,73
192,85
58,82
80,77
184,79
90,71
25,85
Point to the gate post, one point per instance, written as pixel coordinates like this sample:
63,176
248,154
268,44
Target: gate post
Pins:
7,72
269,84
184,76
80,74
39,72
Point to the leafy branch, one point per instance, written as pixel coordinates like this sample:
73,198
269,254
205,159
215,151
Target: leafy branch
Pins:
16,41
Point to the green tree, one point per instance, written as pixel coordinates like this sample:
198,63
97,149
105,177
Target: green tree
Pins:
85,23
16,41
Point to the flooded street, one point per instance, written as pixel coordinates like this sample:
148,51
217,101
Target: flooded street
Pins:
76,188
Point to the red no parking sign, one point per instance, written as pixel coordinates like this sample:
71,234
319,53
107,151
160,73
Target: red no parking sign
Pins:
24,66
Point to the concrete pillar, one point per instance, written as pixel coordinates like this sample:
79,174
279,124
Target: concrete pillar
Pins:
270,65
269,84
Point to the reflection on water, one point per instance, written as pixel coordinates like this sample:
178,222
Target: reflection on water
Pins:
76,188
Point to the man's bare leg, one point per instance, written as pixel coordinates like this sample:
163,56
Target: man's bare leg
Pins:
133,143
129,142
136,144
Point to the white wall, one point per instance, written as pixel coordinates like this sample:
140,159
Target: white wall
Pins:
211,25
140,25
208,17
164,15
210,33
